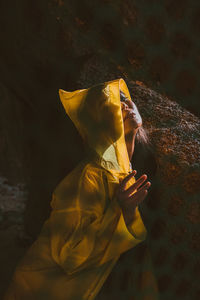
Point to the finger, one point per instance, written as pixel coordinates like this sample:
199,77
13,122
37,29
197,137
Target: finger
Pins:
138,198
126,179
135,200
145,186
136,185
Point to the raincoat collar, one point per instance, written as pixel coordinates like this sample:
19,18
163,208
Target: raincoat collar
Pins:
96,113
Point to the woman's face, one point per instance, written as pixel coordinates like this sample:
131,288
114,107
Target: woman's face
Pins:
131,116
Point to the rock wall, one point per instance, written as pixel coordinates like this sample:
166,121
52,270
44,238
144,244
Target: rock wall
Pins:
172,210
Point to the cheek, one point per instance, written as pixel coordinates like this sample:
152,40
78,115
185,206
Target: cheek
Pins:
123,114
112,123
135,109
128,125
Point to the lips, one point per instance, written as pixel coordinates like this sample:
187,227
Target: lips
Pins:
129,113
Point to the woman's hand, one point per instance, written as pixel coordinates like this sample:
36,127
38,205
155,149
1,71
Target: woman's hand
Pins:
127,200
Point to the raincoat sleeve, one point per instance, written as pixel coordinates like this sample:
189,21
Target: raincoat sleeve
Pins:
125,237
93,231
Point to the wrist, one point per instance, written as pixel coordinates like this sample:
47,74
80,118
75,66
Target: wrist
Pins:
128,214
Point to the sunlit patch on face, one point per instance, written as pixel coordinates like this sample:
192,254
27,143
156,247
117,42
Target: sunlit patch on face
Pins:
130,112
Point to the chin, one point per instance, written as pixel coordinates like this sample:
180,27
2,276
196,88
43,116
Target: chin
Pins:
130,121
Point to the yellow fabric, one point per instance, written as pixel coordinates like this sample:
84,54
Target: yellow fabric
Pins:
86,233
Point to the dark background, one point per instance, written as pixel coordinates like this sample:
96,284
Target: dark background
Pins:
47,45
152,41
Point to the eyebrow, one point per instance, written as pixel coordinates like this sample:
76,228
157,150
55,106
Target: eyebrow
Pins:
122,96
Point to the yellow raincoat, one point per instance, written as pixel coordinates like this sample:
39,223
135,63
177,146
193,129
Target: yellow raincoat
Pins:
86,232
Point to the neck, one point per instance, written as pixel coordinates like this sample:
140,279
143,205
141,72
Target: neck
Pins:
130,142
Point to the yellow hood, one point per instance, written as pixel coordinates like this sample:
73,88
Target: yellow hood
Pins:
96,113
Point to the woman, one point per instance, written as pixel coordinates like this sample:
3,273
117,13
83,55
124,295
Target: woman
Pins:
95,216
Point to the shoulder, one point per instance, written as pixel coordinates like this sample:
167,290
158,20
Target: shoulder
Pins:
91,189
92,174
82,175
93,171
